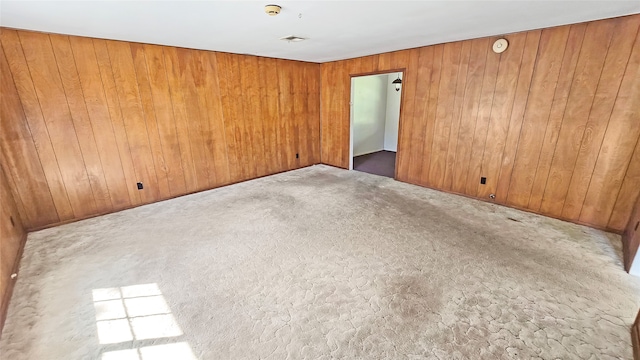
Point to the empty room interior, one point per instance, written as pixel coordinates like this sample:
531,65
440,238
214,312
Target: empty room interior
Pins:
319,180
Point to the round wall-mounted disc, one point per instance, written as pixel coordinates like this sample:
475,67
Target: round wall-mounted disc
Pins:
500,46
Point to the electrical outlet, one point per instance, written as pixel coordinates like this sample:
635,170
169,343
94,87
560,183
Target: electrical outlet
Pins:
483,180
140,186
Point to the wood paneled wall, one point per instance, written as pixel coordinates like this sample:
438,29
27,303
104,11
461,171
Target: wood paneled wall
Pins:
635,338
631,237
83,120
553,123
12,237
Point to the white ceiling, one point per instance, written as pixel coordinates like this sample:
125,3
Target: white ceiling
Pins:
335,29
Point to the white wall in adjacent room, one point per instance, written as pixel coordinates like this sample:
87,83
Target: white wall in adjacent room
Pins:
392,115
369,113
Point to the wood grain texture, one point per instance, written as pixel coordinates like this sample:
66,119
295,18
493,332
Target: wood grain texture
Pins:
24,163
415,132
39,135
410,80
562,88
635,338
100,119
429,115
631,236
527,67
541,91
445,113
12,238
615,183
469,115
500,109
47,81
83,120
552,123
618,57
590,64
117,122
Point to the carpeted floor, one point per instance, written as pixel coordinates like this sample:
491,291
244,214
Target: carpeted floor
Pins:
321,263
381,163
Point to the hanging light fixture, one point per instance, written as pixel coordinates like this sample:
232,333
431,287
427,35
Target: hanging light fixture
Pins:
397,82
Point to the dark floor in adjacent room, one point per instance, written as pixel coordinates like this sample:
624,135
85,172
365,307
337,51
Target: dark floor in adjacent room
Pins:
381,163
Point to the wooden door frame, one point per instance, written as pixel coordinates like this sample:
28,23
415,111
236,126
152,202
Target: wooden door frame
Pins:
351,89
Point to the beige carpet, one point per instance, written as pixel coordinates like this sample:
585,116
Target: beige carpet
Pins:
321,263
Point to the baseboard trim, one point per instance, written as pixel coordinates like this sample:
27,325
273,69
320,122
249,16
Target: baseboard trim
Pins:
367,153
47,226
603,228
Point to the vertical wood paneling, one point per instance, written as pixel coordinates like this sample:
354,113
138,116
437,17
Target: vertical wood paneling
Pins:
328,125
117,121
615,182
485,125
124,74
195,119
245,126
12,237
198,77
414,131
269,94
36,123
83,120
525,75
172,70
463,72
551,123
231,111
59,124
469,114
20,156
149,114
252,104
300,111
590,64
100,119
216,142
565,78
539,101
163,106
601,110
631,243
430,114
410,79
628,191
444,113
285,83
312,79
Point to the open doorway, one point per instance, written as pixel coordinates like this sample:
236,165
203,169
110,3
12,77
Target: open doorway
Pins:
375,115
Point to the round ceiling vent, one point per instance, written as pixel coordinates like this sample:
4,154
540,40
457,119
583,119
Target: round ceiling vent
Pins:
500,46
272,10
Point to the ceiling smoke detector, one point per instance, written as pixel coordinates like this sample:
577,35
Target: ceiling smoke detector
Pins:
293,38
272,10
